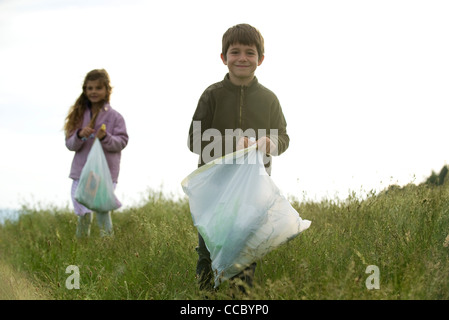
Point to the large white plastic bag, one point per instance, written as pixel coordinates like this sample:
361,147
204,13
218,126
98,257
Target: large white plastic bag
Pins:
239,211
96,189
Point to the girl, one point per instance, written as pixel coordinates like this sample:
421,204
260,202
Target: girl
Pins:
82,124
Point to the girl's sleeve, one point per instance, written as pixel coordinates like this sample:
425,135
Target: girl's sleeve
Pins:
73,143
116,139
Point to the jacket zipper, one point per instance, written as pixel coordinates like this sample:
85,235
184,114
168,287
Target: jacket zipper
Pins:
241,106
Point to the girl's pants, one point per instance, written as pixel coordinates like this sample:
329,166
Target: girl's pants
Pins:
85,217
104,222
205,274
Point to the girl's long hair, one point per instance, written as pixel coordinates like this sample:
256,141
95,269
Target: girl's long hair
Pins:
75,116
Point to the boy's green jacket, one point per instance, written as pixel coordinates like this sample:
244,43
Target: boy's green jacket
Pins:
226,107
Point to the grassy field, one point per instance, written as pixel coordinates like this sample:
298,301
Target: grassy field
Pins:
16,286
402,231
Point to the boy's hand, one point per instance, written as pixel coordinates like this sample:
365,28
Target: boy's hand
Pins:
244,142
267,146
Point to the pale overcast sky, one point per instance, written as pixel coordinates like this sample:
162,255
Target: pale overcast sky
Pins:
363,86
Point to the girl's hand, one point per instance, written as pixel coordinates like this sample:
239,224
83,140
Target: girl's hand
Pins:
86,132
102,132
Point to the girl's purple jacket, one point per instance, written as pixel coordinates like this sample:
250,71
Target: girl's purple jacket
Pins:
113,143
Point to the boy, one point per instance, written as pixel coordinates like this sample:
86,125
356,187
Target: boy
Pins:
233,111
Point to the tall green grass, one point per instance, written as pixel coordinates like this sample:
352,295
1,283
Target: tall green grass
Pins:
402,231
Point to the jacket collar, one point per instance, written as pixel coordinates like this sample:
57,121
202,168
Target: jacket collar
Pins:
227,83
106,107
101,113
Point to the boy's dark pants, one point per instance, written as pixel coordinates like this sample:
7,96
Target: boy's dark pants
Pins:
205,274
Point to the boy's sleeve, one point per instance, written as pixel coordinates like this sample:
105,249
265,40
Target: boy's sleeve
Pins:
202,120
282,140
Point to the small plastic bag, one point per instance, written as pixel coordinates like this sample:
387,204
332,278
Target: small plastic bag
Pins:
96,189
239,211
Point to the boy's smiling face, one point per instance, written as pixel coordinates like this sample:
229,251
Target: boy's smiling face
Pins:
242,61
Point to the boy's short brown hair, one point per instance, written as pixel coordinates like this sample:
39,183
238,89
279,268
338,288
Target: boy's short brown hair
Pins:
244,34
